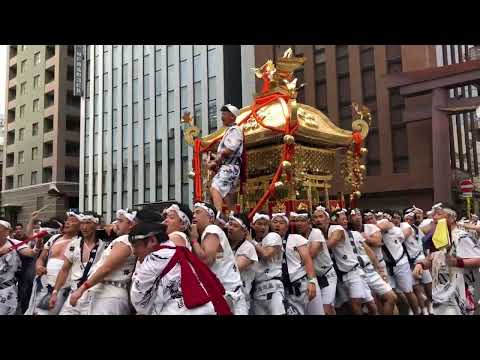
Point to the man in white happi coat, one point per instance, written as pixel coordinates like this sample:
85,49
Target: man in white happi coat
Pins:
211,245
79,258
48,266
110,277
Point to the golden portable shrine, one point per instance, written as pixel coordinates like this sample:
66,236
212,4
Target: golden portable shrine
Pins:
291,147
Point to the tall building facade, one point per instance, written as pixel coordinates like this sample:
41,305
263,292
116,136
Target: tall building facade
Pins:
399,160
42,127
135,95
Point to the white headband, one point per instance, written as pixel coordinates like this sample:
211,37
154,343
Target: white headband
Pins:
6,224
280,215
321,208
129,215
449,211
368,213
83,217
258,216
231,217
302,215
71,213
379,213
355,212
417,210
334,216
183,217
51,231
205,207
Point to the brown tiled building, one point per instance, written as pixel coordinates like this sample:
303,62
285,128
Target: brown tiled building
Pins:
42,128
399,160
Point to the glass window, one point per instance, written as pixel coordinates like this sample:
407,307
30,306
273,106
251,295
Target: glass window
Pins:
125,141
170,101
146,65
158,127
35,129
171,55
368,83
21,158
171,83
135,112
20,180
146,175
146,86
212,93
124,73
23,66
115,138
135,69
344,89
137,51
136,134
33,179
21,134
197,70
320,56
158,82
183,73
321,95
320,71
117,56
22,111
135,90
146,108
212,115
197,49
394,52
146,153
198,115
23,87
158,59
124,200
158,150
115,98
35,153
185,51
367,58
183,97
36,81
125,115
197,92
158,105
124,94
212,62
342,66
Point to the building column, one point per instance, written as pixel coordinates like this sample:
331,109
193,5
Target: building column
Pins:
440,147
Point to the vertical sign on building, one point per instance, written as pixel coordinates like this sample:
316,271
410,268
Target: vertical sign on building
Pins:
78,70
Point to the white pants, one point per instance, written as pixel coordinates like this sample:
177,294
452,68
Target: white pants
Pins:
82,308
376,284
315,306
299,301
328,292
269,302
237,302
366,289
8,300
109,306
33,308
447,310
402,278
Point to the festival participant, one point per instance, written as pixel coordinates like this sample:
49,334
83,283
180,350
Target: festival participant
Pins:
79,257
215,251
316,243
110,277
9,265
453,267
422,280
169,279
298,273
322,260
351,290
228,161
396,218
399,272
370,265
48,266
245,254
178,218
268,292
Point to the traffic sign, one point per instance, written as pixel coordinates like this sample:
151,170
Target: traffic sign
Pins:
466,186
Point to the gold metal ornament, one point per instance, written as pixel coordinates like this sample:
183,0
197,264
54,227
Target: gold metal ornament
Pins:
363,167
358,194
191,174
279,185
289,139
286,165
364,151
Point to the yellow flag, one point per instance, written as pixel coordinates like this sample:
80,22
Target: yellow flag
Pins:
441,237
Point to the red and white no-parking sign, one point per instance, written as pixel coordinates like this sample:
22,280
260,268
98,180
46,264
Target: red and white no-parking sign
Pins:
466,186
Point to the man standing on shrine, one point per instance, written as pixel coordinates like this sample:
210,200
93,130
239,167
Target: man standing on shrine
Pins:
228,162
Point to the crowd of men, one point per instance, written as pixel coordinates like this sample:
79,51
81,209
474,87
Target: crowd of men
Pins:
187,261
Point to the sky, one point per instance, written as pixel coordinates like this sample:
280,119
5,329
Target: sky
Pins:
3,73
